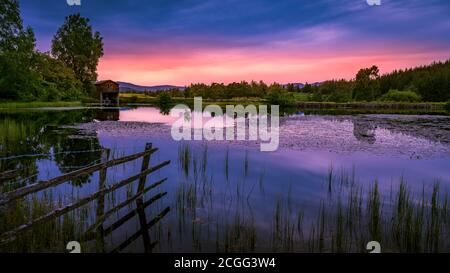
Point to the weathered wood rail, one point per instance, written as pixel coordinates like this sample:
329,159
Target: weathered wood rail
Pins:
96,231
39,186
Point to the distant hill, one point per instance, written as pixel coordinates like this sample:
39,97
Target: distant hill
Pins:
296,85
125,86
301,85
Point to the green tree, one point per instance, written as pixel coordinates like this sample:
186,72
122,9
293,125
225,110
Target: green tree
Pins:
11,25
77,46
366,84
58,81
291,88
308,88
277,95
18,79
164,102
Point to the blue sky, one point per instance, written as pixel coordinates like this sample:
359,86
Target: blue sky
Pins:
183,41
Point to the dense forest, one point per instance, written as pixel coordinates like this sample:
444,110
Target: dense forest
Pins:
65,73
426,83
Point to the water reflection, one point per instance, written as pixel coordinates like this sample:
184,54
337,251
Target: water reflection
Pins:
107,114
226,197
364,131
40,217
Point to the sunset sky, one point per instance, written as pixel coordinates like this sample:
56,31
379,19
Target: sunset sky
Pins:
152,42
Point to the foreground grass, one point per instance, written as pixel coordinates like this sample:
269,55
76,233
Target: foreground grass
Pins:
38,104
348,215
351,214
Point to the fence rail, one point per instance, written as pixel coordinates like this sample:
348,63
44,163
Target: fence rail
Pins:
96,231
39,186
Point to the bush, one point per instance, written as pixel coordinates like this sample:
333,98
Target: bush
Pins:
281,99
164,99
164,102
401,96
276,95
49,92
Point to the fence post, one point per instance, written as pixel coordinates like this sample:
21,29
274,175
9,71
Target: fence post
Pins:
100,241
140,202
145,164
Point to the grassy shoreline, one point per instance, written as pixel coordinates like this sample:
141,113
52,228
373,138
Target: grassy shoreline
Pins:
142,98
374,105
39,104
356,107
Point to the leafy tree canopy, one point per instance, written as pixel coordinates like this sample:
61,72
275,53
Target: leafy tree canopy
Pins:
26,74
78,47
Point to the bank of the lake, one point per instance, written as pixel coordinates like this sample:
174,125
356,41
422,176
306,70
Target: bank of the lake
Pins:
376,107
38,104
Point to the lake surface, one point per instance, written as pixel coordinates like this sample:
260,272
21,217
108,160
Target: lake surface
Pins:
335,183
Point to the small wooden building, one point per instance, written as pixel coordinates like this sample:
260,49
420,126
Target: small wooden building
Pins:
107,92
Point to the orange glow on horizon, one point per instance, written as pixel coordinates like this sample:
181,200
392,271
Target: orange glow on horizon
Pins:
235,65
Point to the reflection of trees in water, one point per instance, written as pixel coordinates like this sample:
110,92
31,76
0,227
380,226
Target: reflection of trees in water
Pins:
67,142
30,136
57,221
165,108
111,114
364,131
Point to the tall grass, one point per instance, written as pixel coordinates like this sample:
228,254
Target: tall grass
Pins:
352,214
211,217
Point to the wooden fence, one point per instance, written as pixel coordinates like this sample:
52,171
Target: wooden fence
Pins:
97,231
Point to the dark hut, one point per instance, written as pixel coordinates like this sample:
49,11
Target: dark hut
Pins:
107,92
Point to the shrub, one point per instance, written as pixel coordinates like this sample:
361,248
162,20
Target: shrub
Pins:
401,96
276,95
282,99
164,99
49,92
164,102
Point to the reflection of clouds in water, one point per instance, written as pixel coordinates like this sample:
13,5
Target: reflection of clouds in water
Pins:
350,134
310,133
154,115
410,136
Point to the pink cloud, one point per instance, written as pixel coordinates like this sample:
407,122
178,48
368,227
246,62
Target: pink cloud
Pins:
287,62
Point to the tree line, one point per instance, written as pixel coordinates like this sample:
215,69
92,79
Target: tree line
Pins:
429,83
66,73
